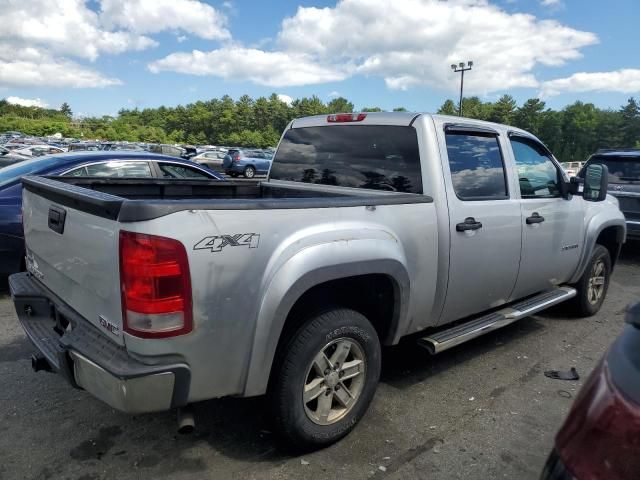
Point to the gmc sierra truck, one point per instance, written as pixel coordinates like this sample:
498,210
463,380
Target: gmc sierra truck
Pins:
153,294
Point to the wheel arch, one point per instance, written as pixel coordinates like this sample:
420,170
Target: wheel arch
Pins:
611,234
287,293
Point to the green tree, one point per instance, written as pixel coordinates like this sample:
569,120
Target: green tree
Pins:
630,116
503,110
65,109
340,105
448,108
529,115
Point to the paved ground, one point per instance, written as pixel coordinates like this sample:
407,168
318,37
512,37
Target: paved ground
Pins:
482,410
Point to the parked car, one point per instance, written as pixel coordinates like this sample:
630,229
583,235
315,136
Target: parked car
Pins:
572,168
78,164
624,182
211,159
246,162
113,146
10,159
84,147
371,227
38,150
600,439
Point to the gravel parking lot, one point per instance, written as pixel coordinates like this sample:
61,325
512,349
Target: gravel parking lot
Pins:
481,410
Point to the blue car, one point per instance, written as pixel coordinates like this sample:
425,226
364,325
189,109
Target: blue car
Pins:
246,162
77,164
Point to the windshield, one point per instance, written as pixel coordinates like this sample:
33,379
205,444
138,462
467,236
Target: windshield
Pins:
623,169
16,171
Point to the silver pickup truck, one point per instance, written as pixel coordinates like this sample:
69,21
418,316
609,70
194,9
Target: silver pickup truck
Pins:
153,294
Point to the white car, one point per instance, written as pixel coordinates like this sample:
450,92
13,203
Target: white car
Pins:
37,150
212,159
572,168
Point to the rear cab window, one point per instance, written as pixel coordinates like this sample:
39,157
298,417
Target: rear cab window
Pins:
378,157
476,165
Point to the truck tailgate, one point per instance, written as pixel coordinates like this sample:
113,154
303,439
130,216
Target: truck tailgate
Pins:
75,254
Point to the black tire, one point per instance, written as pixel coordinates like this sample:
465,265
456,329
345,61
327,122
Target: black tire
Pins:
249,172
583,305
294,367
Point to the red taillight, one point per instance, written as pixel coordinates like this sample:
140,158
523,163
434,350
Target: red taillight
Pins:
155,285
236,158
346,117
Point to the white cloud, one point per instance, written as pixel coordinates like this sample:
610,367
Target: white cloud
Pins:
550,3
181,38
274,69
153,16
27,102
54,72
39,38
623,81
33,67
64,27
408,43
333,94
285,98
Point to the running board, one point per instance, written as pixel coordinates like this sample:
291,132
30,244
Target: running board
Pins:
444,339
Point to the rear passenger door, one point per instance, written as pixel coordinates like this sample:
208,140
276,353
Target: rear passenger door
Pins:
552,225
484,223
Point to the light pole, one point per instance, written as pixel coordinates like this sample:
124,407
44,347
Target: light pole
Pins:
461,68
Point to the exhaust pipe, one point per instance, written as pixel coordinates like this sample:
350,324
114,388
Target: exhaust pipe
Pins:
186,422
38,363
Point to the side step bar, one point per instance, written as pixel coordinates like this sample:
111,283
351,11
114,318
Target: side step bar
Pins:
444,339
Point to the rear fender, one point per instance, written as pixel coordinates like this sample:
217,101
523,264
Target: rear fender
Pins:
313,266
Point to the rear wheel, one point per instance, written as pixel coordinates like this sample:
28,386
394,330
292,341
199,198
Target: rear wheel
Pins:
325,379
594,283
249,172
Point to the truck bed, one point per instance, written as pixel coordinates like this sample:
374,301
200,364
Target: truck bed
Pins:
132,200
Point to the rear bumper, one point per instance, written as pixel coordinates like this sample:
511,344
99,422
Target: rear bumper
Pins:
87,359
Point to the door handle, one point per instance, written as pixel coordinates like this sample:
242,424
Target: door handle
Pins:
468,224
535,218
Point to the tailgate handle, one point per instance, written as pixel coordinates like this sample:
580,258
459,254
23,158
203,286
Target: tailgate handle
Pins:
57,217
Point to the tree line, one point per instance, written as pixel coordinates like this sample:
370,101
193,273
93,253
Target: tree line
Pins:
571,133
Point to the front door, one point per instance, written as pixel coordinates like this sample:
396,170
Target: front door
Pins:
484,224
552,226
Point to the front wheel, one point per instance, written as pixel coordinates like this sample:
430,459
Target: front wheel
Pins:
325,379
594,283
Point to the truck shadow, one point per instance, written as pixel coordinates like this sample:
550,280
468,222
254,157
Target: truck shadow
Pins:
408,363
240,428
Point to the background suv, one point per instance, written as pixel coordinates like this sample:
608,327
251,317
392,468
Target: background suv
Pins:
246,162
624,183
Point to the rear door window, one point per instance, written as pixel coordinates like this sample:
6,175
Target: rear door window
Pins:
477,168
379,157
119,169
171,170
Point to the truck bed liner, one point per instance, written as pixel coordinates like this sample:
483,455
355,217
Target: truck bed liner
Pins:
133,200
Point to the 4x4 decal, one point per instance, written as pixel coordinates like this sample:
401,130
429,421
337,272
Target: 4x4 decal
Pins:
217,242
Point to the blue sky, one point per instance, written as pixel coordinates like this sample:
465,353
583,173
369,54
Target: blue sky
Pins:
100,56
